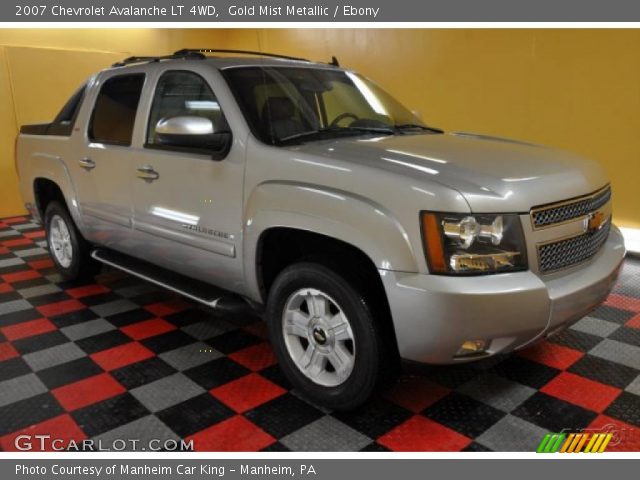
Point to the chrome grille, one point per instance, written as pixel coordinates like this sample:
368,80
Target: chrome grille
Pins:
571,251
547,215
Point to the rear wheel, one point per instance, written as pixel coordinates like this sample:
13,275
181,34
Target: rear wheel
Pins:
69,250
327,339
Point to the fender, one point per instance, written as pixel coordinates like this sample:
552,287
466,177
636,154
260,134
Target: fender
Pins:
335,213
52,167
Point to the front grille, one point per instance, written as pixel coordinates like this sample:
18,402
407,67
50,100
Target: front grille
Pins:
561,212
571,251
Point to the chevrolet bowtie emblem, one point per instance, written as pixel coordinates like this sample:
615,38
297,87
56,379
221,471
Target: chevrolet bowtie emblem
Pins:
594,222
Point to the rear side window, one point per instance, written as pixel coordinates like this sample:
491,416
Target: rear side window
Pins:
115,109
63,123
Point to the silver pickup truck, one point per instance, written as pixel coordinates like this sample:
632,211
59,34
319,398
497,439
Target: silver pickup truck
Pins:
364,235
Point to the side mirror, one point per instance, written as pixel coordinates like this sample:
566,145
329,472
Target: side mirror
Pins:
190,131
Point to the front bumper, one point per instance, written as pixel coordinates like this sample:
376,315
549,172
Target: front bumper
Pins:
433,315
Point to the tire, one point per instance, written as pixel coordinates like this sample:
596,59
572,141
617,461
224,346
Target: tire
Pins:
359,349
70,252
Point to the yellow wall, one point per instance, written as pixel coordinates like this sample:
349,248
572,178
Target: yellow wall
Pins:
574,89
40,69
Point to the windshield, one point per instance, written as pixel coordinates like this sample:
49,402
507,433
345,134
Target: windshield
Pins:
293,104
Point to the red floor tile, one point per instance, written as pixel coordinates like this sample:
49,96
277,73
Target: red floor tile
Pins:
416,393
60,308
256,357
5,287
37,234
148,328
167,308
420,434
12,220
28,329
626,438
88,391
551,354
122,355
87,290
21,276
4,250
17,242
60,431
623,302
236,434
634,322
259,329
247,392
41,264
7,351
581,391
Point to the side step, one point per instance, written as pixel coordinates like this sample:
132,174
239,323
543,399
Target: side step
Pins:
194,289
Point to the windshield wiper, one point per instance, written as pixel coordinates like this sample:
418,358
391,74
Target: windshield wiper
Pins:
410,126
329,130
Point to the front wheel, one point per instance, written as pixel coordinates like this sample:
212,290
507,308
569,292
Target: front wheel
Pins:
69,250
328,341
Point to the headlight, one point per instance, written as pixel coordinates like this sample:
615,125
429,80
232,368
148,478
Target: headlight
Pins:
473,243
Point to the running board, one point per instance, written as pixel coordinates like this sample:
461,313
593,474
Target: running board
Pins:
194,289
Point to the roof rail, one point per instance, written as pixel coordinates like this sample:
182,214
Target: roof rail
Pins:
182,54
187,51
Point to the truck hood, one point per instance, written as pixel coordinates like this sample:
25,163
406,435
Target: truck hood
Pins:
493,174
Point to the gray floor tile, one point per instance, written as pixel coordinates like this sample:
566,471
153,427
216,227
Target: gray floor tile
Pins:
512,434
53,356
39,290
326,434
20,388
166,392
113,308
189,356
144,430
497,391
618,352
87,329
595,326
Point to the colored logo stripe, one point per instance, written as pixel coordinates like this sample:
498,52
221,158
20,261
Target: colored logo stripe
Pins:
574,443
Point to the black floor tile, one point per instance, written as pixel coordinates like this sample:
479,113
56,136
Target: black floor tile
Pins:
216,372
283,415
604,371
109,414
195,414
554,414
69,372
141,373
463,414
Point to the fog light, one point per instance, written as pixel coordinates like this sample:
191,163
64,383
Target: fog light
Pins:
473,347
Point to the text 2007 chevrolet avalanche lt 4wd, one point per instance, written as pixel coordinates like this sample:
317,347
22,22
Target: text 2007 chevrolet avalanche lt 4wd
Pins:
368,236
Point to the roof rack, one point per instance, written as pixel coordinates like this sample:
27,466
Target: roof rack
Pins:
188,51
188,55
199,54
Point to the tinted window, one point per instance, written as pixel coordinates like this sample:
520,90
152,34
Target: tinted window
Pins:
184,93
115,110
283,104
68,113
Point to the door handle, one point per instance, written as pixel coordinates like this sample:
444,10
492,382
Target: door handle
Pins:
87,163
146,172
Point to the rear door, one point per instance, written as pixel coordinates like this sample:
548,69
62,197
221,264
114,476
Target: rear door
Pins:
188,201
103,167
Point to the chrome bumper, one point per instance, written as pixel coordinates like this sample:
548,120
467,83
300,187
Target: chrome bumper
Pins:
433,315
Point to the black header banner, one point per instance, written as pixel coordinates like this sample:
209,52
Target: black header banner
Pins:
328,11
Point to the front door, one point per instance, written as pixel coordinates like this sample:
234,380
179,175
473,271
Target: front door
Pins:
188,201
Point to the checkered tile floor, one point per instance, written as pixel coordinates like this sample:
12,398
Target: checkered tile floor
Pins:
122,359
